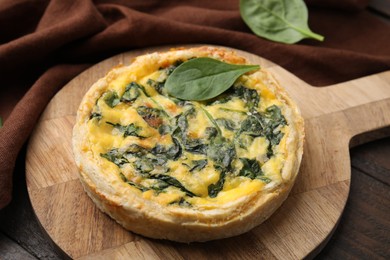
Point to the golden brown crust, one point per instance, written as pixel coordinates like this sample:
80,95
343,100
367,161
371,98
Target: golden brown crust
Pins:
184,224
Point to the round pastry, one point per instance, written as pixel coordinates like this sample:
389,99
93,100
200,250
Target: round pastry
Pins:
187,170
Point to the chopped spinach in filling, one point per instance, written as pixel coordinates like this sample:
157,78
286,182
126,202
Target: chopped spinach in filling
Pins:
216,147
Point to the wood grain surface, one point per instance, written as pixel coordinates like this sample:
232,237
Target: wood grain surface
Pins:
333,115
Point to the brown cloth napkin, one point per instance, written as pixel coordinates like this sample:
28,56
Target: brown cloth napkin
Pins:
50,42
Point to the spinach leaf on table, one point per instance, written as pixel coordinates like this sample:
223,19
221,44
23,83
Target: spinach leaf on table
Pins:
278,20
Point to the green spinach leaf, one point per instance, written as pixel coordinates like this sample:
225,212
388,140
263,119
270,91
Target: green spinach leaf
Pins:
135,150
204,78
278,20
182,203
132,92
227,123
173,182
192,145
157,85
172,67
144,165
273,121
141,188
212,120
251,168
115,156
210,133
215,188
198,165
196,146
111,98
96,115
172,152
128,130
222,152
252,125
153,116
249,96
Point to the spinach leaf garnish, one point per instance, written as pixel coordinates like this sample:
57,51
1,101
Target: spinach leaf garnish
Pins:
172,67
278,20
159,86
1,122
215,188
204,78
111,98
172,181
128,130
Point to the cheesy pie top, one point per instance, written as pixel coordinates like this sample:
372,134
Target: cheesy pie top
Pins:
162,159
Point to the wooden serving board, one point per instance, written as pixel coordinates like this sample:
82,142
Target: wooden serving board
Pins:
303,224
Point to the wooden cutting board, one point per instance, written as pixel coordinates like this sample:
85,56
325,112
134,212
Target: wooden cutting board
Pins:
300,228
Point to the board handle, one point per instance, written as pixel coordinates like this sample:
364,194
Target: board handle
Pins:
364,103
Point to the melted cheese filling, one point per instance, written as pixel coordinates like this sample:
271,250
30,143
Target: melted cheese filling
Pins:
125,138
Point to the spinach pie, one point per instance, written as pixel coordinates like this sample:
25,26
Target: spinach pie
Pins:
193,169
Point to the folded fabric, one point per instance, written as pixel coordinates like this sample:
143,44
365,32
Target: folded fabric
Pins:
50,42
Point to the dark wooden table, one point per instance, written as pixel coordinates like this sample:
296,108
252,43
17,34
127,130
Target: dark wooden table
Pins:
363,232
